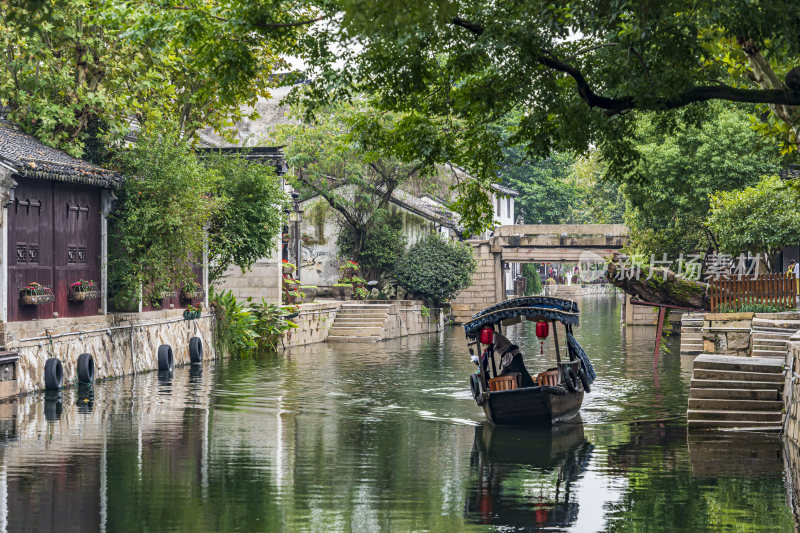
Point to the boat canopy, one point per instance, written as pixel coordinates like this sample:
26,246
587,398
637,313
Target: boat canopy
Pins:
532,307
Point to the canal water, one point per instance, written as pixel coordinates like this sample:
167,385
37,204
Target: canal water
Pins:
386,437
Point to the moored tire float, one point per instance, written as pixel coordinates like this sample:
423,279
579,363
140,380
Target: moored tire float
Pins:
53,374
85,369
165,358
196,350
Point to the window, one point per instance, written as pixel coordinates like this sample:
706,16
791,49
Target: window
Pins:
508,206
499,206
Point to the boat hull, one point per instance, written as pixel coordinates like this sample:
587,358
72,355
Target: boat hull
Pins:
531,406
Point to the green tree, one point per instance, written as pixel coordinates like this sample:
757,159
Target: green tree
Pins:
545,196
248,217
668,189
157,230
355,171
760,219
434,269
172,201
530,271
76,69
381,247
574,75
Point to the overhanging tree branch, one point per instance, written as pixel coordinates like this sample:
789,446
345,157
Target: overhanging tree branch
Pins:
614,106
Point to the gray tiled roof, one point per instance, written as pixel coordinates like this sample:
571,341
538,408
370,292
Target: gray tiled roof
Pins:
427,208
31,158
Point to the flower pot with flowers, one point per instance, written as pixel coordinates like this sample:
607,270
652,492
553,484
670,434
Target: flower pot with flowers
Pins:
36,294
83,290
349,269
288,268
191,291
193,311
292,296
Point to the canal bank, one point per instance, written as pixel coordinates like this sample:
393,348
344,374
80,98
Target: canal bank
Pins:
387,438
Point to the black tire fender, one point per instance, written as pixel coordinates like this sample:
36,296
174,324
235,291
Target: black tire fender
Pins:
85,369
53,374
570,379
584,381
475,386
196,350
165,358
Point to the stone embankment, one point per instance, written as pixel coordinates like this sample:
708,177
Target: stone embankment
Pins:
736,392
120,344
368,321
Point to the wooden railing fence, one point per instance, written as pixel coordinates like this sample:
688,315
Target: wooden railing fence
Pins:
774,290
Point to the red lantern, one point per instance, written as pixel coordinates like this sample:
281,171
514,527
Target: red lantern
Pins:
487,335
542,331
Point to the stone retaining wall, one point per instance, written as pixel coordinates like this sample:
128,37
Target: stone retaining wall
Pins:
313,323
791,389
119,343
483,291
727,333
404,318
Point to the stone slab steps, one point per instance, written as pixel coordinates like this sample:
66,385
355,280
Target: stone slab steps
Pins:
770,335
359,323
692,333
735,392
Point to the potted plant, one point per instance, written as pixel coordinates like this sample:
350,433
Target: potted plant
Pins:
193,311
292,296
288,268
349,269
343,290
83,290
360,293
36,294
191,291
310,292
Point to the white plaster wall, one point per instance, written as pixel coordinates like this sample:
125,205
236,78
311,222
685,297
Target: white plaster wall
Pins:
263,280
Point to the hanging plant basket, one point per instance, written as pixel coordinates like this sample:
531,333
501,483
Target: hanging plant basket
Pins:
166,294
79,296
35,294
192,295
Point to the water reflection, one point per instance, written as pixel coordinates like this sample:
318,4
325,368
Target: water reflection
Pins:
382,437
523,479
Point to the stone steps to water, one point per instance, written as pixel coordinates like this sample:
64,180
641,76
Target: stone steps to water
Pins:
344,331
742,425
733,363
730,384
775,417
729,405
735,392
778,354
347,338
359,323
734,375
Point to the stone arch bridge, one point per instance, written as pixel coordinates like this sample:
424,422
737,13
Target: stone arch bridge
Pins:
548,243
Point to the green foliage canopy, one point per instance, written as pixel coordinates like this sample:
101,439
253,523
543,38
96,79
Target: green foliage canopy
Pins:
533,286
71,65
171,200
381,247
668,189
762,218
435,269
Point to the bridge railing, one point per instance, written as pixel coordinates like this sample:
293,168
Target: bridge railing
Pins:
775,291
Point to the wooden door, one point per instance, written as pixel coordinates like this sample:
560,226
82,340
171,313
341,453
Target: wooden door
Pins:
30,246
76,245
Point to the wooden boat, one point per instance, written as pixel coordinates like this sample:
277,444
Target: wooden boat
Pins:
505,389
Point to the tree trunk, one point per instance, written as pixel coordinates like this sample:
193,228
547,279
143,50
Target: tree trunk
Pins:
662,287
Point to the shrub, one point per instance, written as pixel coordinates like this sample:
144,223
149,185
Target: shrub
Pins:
434,269
271,321
234,331
382,244
534,284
